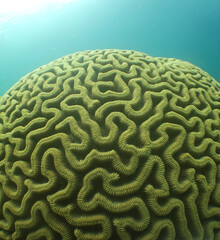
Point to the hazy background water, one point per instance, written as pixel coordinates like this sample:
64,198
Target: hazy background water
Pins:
189,30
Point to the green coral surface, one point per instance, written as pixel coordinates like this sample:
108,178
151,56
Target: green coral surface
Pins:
111,144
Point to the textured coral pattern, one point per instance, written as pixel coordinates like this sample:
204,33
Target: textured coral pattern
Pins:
111,144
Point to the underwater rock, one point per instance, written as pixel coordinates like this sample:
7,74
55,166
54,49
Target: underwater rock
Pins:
111,144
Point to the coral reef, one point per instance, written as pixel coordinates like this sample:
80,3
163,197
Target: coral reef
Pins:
111,144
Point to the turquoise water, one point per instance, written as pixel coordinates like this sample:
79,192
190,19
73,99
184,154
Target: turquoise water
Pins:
188,30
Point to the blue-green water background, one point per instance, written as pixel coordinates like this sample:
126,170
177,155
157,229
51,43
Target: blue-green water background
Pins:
189,30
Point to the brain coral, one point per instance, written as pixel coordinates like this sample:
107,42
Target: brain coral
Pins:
111,144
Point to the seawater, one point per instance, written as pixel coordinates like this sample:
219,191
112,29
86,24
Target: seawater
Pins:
187,30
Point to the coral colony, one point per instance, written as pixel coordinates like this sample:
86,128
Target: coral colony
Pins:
111,144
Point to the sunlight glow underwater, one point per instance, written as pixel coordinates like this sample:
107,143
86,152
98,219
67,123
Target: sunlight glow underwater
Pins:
12,8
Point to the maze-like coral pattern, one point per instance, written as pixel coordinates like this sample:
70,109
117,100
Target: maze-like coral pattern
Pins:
111,144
